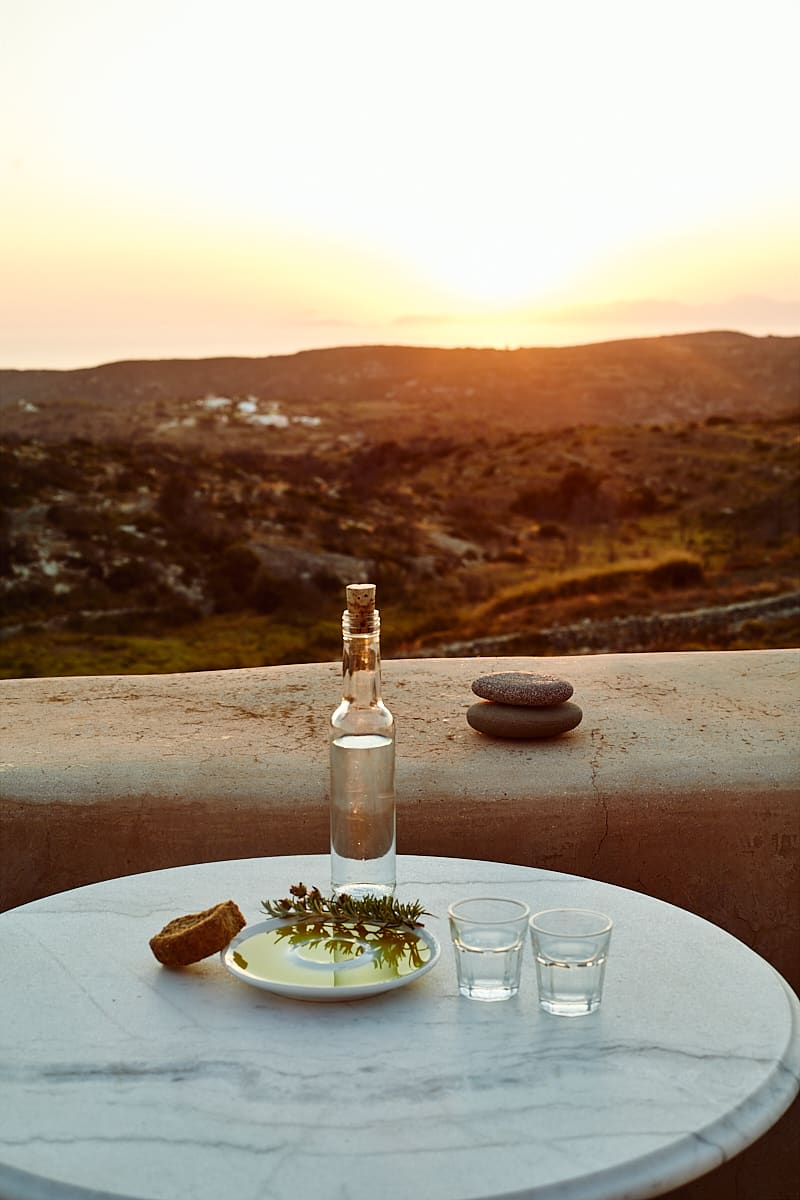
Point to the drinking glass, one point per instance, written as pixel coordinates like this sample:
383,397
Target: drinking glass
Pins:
488,939
570,946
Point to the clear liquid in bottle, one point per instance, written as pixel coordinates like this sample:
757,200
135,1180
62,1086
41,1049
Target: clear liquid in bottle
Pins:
362,755
362,814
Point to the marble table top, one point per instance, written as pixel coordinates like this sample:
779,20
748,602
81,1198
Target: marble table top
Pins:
119,1077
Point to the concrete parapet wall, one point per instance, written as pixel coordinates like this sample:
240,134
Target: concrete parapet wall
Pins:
681,781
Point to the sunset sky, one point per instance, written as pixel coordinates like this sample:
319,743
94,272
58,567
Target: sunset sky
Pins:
182,178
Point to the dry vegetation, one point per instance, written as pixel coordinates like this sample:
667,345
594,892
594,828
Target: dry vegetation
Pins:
200,540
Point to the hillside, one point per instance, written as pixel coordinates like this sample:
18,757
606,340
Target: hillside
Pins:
416,390
156,516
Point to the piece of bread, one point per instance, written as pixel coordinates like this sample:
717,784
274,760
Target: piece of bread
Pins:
188,939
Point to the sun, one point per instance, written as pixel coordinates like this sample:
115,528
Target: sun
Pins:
497,269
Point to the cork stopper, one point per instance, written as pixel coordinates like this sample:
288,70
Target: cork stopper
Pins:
361,607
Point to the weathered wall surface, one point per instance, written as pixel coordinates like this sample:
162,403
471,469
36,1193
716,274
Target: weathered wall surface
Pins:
683,779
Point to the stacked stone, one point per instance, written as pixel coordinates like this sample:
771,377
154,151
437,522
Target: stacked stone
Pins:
521,704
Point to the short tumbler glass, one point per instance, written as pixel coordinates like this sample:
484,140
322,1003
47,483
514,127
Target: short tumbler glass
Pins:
570,946
488,941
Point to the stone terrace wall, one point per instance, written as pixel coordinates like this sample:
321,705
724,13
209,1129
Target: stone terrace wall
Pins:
681,781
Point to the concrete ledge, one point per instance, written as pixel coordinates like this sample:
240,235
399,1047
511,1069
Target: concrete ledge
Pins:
682,780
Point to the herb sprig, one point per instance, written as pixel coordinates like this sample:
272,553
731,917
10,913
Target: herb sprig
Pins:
384,911
389,947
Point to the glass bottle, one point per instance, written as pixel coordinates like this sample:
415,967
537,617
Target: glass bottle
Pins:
362,749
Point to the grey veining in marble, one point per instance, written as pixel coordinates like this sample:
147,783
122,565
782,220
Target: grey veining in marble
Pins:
121,1076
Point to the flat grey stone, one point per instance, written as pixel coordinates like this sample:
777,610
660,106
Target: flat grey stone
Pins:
518,721
522,688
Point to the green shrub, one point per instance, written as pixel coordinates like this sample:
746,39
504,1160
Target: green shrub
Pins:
676,573
551,529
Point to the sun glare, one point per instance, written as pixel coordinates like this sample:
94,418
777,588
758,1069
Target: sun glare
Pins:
361,162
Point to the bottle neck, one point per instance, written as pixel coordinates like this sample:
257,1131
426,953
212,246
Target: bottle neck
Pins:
361,661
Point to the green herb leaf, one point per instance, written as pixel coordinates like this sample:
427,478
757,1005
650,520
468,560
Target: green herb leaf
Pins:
383,911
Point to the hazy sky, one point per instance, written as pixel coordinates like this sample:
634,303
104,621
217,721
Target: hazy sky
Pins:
188,178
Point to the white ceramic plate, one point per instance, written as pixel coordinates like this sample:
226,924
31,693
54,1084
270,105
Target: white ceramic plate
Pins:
310,961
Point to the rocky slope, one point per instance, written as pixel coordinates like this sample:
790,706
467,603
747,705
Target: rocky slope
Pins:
145,500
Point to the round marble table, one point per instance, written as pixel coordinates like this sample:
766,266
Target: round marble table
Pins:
120,1077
